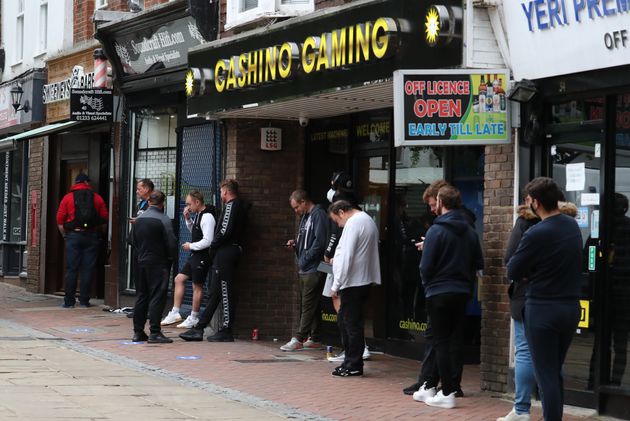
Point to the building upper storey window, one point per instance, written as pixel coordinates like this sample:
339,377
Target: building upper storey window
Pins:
19,33
100,4
245,12
43,26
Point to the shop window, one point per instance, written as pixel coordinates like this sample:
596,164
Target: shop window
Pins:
16,195
416,168
245,12
154,156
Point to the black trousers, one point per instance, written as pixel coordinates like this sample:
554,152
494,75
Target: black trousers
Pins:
351,322
549,328
220,289
429,372
446,312
151,289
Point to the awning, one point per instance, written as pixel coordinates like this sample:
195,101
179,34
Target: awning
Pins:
8,143
45,130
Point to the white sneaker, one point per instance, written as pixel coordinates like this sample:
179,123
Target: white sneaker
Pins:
337,358
441,401
513,416
422,394
189,323
366,353
293,345
171,318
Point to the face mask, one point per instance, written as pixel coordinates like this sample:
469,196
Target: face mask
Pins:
330,195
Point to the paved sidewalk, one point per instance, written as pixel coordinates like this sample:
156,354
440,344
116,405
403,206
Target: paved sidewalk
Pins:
295,385
42,379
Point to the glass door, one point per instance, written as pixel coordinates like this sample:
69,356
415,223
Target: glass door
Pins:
576,166
372,190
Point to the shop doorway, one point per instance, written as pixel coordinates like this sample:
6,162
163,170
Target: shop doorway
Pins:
576,165
70,155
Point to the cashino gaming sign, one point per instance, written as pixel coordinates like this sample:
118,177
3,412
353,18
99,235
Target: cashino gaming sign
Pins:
451,107
339,47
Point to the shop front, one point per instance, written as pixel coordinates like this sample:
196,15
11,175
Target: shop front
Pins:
77,138
326,83
149,57
15,120
576,128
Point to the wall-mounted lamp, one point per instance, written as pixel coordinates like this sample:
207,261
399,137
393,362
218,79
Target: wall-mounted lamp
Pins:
16,99
523,91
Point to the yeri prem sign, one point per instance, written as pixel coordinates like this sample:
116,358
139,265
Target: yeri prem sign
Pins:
349,45
556,37
450,107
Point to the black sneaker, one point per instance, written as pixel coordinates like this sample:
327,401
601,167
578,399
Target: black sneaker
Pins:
159,338
140,337
194,334
346,372
459,393
221,336
410,390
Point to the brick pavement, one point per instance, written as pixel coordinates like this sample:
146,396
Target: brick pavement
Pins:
259,369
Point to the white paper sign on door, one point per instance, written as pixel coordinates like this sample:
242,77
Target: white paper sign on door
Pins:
576,177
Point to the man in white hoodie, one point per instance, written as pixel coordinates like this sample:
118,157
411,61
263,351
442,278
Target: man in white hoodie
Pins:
355,267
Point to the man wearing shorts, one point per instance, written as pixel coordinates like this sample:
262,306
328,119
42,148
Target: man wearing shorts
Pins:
198,265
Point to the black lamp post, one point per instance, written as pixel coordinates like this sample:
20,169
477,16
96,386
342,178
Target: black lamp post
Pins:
16,99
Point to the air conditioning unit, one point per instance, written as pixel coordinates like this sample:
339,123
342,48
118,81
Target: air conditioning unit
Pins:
247,12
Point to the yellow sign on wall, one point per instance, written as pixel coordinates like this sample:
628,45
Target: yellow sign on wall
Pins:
584,313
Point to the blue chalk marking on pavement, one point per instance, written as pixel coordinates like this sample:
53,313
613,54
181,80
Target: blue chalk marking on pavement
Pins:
188,357
131,343
82,330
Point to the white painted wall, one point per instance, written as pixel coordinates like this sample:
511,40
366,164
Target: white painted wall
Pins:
485,49
59,34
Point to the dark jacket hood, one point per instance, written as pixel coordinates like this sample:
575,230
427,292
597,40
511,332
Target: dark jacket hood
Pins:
454,220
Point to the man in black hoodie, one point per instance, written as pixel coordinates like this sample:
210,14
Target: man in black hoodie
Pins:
225,250
451,256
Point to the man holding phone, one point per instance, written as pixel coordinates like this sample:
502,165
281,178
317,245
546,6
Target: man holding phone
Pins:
309,247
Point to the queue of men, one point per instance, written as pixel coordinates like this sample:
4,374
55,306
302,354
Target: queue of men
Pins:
546,255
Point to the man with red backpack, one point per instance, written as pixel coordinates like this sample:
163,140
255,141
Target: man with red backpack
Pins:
81,213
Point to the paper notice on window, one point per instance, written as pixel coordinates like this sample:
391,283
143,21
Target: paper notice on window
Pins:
576,177
589,199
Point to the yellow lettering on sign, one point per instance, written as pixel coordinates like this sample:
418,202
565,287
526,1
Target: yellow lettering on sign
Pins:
231,77
242,69
285,59
584,313
380,38
271,55
322,57
219,79
308,54
338,48
252,67
363,42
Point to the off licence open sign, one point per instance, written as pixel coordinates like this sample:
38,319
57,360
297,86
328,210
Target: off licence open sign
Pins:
450,107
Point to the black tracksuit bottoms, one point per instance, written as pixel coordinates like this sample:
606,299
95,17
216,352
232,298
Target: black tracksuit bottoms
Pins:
151,289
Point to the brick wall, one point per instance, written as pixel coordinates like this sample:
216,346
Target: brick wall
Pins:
266,283
35,171
497,220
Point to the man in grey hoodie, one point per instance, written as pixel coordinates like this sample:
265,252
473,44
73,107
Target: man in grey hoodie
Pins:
309,245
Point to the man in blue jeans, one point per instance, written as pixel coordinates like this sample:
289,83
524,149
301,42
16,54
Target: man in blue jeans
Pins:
549,255
80,216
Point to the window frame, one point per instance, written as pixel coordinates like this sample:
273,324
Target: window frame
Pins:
100,4
265,9
42,42
19,34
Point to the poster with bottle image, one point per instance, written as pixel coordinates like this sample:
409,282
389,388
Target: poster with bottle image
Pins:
451,107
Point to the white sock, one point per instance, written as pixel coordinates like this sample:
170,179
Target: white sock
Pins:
175,310
194,314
